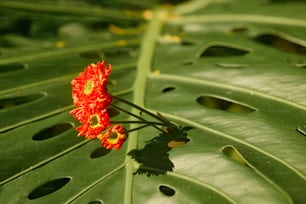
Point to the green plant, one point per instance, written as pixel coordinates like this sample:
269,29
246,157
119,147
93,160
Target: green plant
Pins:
232,71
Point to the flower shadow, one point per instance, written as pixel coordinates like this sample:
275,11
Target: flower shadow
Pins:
154,157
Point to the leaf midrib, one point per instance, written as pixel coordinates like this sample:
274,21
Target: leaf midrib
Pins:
143,69
212,18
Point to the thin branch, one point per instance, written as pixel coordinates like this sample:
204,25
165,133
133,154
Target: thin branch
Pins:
139,122
138,128
167,123
136,116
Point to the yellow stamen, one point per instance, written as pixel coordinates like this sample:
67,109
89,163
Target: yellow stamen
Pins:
113,138
88,87
94,121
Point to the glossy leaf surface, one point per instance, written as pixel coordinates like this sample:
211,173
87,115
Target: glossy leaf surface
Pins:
234,77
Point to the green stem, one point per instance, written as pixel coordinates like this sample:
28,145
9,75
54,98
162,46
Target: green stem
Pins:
136,116
166,122
137,128
212,18
136,122
128,112
144,65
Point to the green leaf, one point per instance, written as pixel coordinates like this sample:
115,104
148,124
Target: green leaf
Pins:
231,74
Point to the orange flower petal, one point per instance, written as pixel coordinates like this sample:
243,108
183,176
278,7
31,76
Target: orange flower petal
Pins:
114,137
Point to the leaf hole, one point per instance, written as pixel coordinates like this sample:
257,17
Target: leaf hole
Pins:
301,130
19,100
178,142
231,66
99,152
281,42
168,89
95,202
21,26
301,65
224,51
48,188
222,104
233,154
187,62
7,68
166,190
238,29
52,131
187,42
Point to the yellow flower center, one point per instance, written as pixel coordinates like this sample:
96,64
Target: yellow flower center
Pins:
88,87
113,137
94,121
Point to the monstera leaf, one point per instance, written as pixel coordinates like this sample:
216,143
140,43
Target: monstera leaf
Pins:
230,73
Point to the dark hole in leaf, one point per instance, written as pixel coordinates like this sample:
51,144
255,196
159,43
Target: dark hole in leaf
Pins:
187,42
112,112
223,51
239,29
281,43
168,89
166,190
233,153
22,26
19,100
95,202
178,142
11,67
52,131
301,130
231,66
48,188
221,104
92,55
301,65
187,62
99,152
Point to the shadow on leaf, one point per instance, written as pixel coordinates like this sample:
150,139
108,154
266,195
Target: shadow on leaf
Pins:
154,157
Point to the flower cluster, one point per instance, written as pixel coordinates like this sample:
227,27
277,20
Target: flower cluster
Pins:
90,96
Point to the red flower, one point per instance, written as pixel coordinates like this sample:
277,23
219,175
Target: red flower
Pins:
114,137
90,95
89,88
92,124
